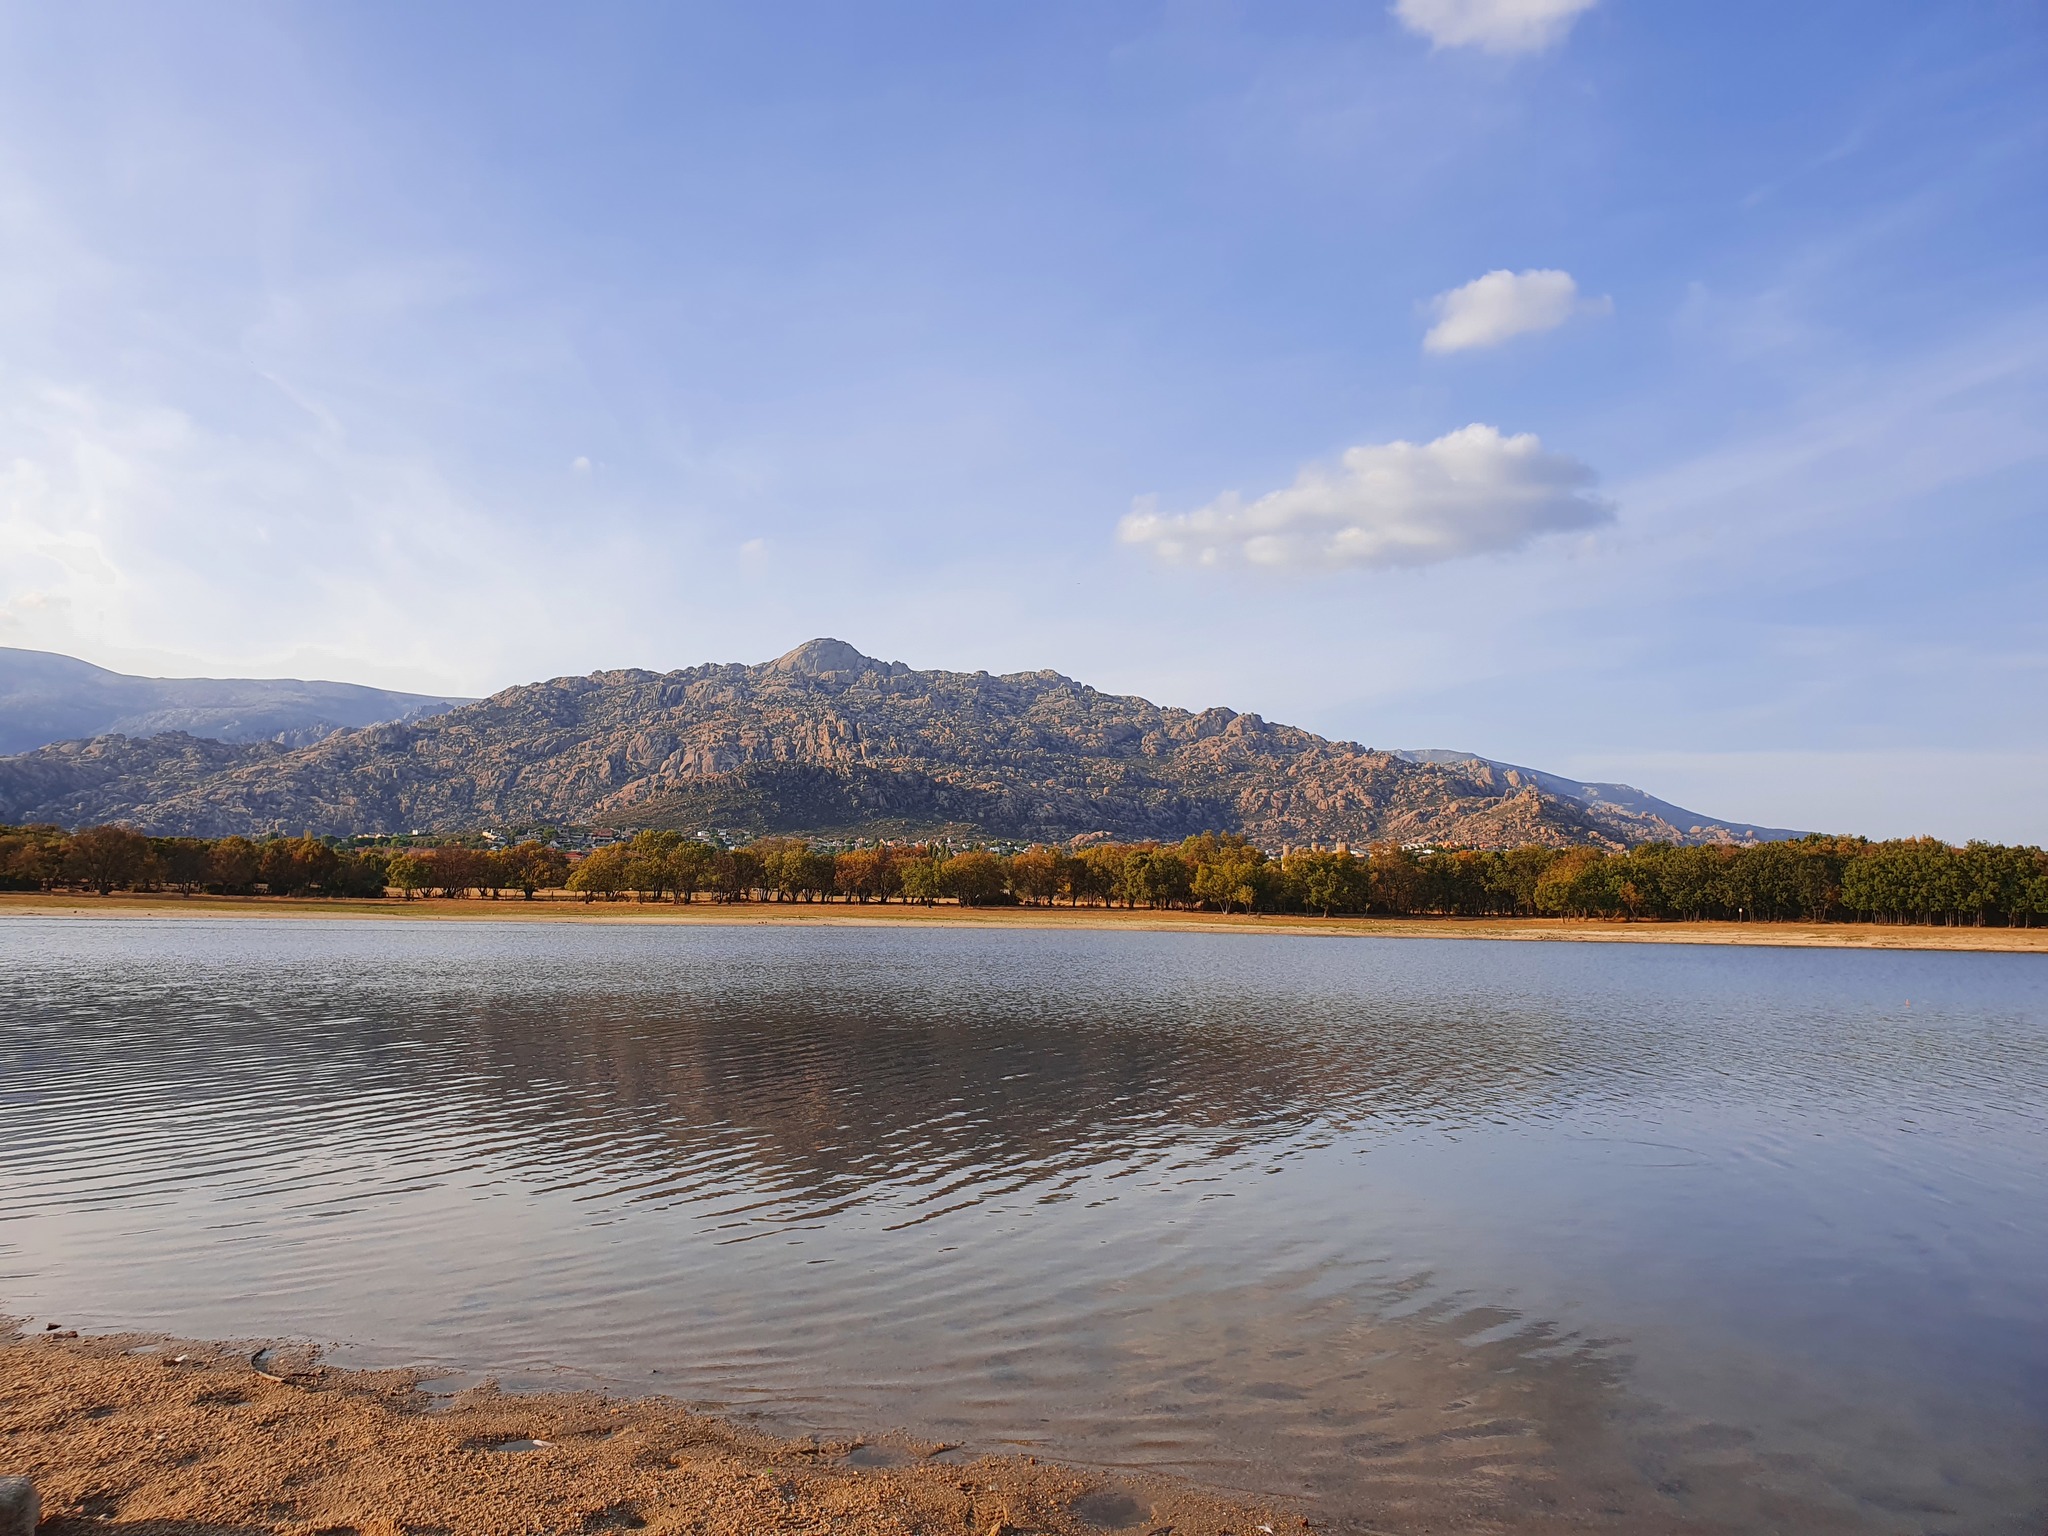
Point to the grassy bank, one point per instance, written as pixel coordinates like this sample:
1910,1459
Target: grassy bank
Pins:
563,908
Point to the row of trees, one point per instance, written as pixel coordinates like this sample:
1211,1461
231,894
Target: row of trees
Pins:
1816,879
114,858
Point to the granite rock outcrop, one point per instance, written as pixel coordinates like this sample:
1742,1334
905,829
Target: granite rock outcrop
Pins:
823,740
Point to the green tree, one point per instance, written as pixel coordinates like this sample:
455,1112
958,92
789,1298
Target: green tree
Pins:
1913,878
409,873
923,880
691,867
1229,873
1328,882
1397,880
361,873
649,868
1098,874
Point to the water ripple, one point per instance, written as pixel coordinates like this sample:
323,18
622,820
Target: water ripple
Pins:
1193,1201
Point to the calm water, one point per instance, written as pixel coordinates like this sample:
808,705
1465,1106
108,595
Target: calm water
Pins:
1629,1236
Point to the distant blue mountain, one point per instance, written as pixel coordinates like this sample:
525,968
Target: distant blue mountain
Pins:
1610,797
47,698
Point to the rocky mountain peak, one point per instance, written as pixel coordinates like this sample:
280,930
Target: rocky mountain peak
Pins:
824,657
827,740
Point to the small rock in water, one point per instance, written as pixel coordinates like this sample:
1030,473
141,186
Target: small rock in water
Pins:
20,1509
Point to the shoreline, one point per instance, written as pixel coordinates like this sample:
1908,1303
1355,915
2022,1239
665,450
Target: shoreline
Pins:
1867,936
163,1434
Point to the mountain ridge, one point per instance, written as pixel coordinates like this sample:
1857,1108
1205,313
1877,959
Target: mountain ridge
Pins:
46,698
822,739
1620,797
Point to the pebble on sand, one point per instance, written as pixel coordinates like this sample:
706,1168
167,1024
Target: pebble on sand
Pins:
20,1509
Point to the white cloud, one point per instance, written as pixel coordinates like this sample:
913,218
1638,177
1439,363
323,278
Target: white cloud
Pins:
1386,504
1490,309
1498,26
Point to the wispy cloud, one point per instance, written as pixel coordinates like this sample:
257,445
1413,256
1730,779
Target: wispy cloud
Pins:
1470,492
1489,310
1498,26
125,521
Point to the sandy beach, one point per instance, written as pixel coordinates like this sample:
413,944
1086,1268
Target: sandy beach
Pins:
567,909
156,1437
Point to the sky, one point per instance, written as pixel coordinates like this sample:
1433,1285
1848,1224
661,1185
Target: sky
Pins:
1647,392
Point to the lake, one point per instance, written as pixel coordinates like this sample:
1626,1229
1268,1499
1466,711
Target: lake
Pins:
1562,1236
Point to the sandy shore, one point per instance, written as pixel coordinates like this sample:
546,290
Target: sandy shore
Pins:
158,1438
838,914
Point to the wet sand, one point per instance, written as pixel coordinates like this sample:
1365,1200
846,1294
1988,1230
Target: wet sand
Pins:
149,1437
141,1435
559,907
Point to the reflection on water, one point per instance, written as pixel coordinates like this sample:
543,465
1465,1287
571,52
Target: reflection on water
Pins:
1639,1237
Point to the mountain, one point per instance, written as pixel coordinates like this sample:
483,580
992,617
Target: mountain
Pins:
46,698
116,778
822,740
1624,798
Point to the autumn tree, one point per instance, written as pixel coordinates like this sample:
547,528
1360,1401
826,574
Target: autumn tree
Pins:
233,865
107,857
1039,875
456,870
182,862
974,878
534,866
857,873
32,858
1576,885
291,866
601,872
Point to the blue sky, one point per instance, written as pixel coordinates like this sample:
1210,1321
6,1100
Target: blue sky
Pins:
1655,392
